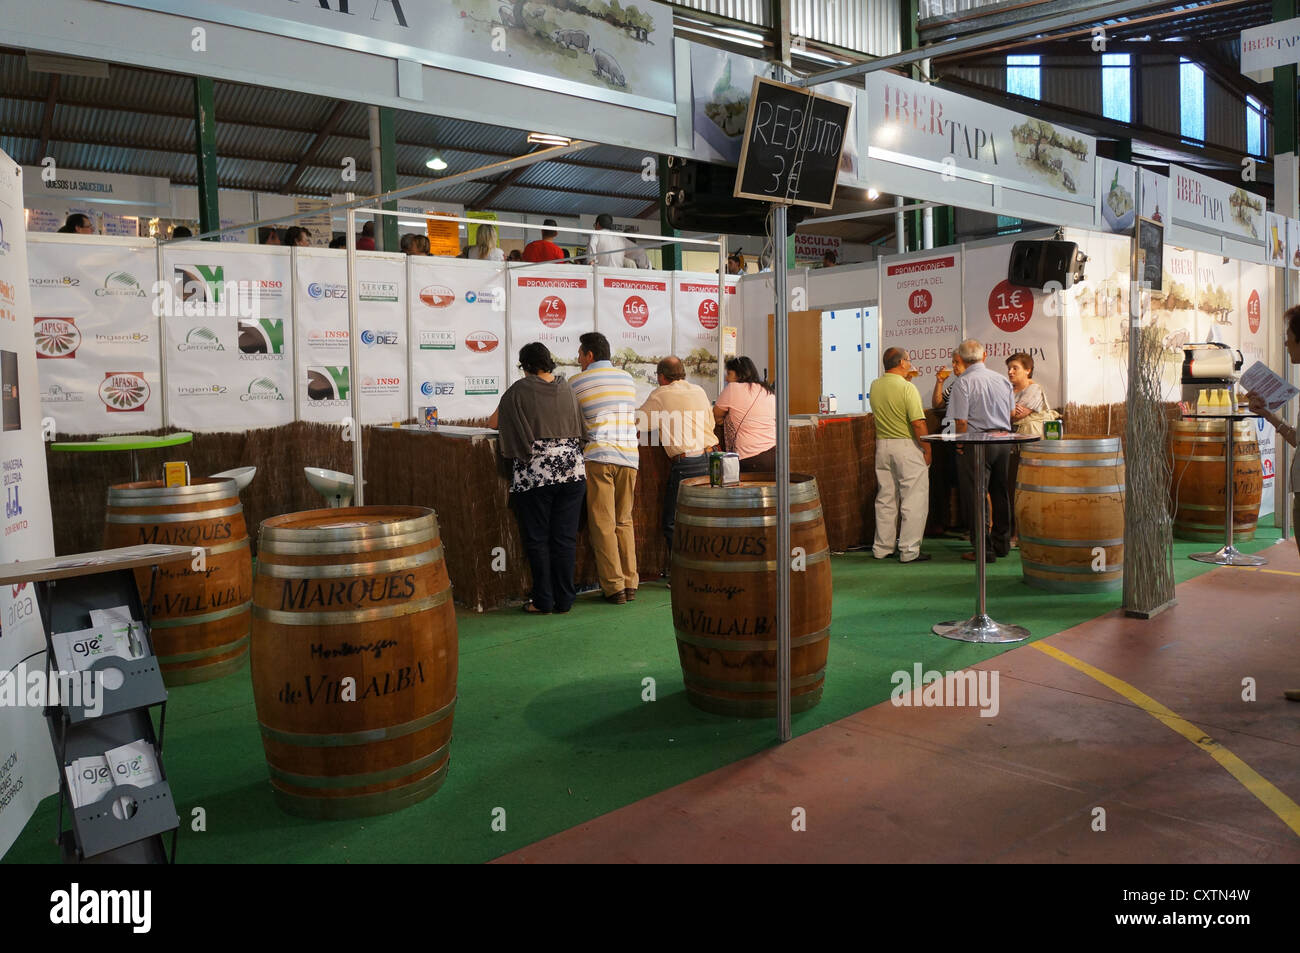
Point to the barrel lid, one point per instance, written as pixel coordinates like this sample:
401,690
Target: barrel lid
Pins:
157,493
349,523
755,489
1077,443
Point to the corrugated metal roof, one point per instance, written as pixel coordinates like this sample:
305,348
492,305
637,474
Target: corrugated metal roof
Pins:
757,12
558,175
868,26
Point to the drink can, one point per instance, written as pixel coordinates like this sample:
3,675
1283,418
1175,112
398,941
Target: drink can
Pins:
1052,430
429,418
824,405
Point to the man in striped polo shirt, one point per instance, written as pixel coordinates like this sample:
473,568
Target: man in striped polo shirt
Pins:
607,399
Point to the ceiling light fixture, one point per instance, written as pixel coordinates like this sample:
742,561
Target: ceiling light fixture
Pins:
437,163
546,139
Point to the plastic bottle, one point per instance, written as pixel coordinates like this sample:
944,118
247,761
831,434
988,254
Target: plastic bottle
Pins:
1202,404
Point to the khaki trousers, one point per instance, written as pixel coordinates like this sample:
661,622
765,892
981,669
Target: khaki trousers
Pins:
610,489
904,485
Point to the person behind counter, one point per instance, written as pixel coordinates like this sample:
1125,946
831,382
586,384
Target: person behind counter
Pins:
746,408
982,401
541,431
680,412
1287,433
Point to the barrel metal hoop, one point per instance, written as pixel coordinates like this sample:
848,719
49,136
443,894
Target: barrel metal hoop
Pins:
693,680
1238,507
1074,445
337,571
193,517
1035,462
369,531
801,516
756,565
359,780
173,495
738,502
743,497
725,645
206,653
275,545
1071,570
222,548
303,739
1220,460
350,616
1071,543
1085,490
179,622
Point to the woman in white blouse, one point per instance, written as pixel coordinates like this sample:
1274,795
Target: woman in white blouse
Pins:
486,247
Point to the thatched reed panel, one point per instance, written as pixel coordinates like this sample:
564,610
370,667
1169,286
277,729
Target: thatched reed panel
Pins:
462,480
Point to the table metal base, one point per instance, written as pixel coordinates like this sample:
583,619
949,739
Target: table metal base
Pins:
981,628
1229,556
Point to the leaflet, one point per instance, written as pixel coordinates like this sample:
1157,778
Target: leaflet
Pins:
1262,380
78,651
134,763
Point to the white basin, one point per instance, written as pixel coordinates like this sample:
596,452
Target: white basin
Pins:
336,487
241,475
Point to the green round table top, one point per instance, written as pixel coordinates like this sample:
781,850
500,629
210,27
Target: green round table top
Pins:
125,442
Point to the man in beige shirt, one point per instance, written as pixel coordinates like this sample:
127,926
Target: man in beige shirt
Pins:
681,414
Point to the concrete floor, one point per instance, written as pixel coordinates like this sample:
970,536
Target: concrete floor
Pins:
943,784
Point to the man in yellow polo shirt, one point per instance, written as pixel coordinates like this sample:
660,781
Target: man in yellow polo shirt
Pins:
902,461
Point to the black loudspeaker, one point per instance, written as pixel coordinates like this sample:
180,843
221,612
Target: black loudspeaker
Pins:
1044,264
698,198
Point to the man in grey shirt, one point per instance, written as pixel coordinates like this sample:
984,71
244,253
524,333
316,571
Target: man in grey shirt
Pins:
982,401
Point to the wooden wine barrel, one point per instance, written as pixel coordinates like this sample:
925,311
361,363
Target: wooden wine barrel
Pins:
724,594
200,620
1198,484
1070,514
356,593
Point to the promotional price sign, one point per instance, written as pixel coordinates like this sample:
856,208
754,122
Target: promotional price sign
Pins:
96,334
458,336
921,311
1008,319
554,305
325,378
695,327
229,340
27,769
636,315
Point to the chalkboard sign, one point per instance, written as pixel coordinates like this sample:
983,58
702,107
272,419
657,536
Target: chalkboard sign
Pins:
792,145
1150,252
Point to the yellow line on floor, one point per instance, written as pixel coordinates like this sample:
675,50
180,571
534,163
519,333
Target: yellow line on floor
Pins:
1276,572
1273,799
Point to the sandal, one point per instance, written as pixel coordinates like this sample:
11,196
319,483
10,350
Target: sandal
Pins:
531,609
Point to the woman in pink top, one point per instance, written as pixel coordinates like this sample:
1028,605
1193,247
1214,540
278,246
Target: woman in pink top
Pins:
747,410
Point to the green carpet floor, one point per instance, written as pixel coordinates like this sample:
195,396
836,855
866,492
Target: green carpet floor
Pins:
550,724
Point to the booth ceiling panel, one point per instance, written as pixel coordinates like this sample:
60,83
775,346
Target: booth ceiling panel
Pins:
18,116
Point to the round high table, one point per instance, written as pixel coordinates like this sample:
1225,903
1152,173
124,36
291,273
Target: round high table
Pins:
1228,554
979,627
131,442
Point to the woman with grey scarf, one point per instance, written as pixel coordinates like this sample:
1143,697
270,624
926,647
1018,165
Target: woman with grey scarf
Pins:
541,432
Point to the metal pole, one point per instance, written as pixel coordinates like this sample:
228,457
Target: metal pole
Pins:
780,370
927,227
354,380
900,227
722,305
376,174
981,526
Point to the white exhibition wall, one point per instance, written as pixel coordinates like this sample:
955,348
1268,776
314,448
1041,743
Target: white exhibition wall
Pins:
28,769
245,336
